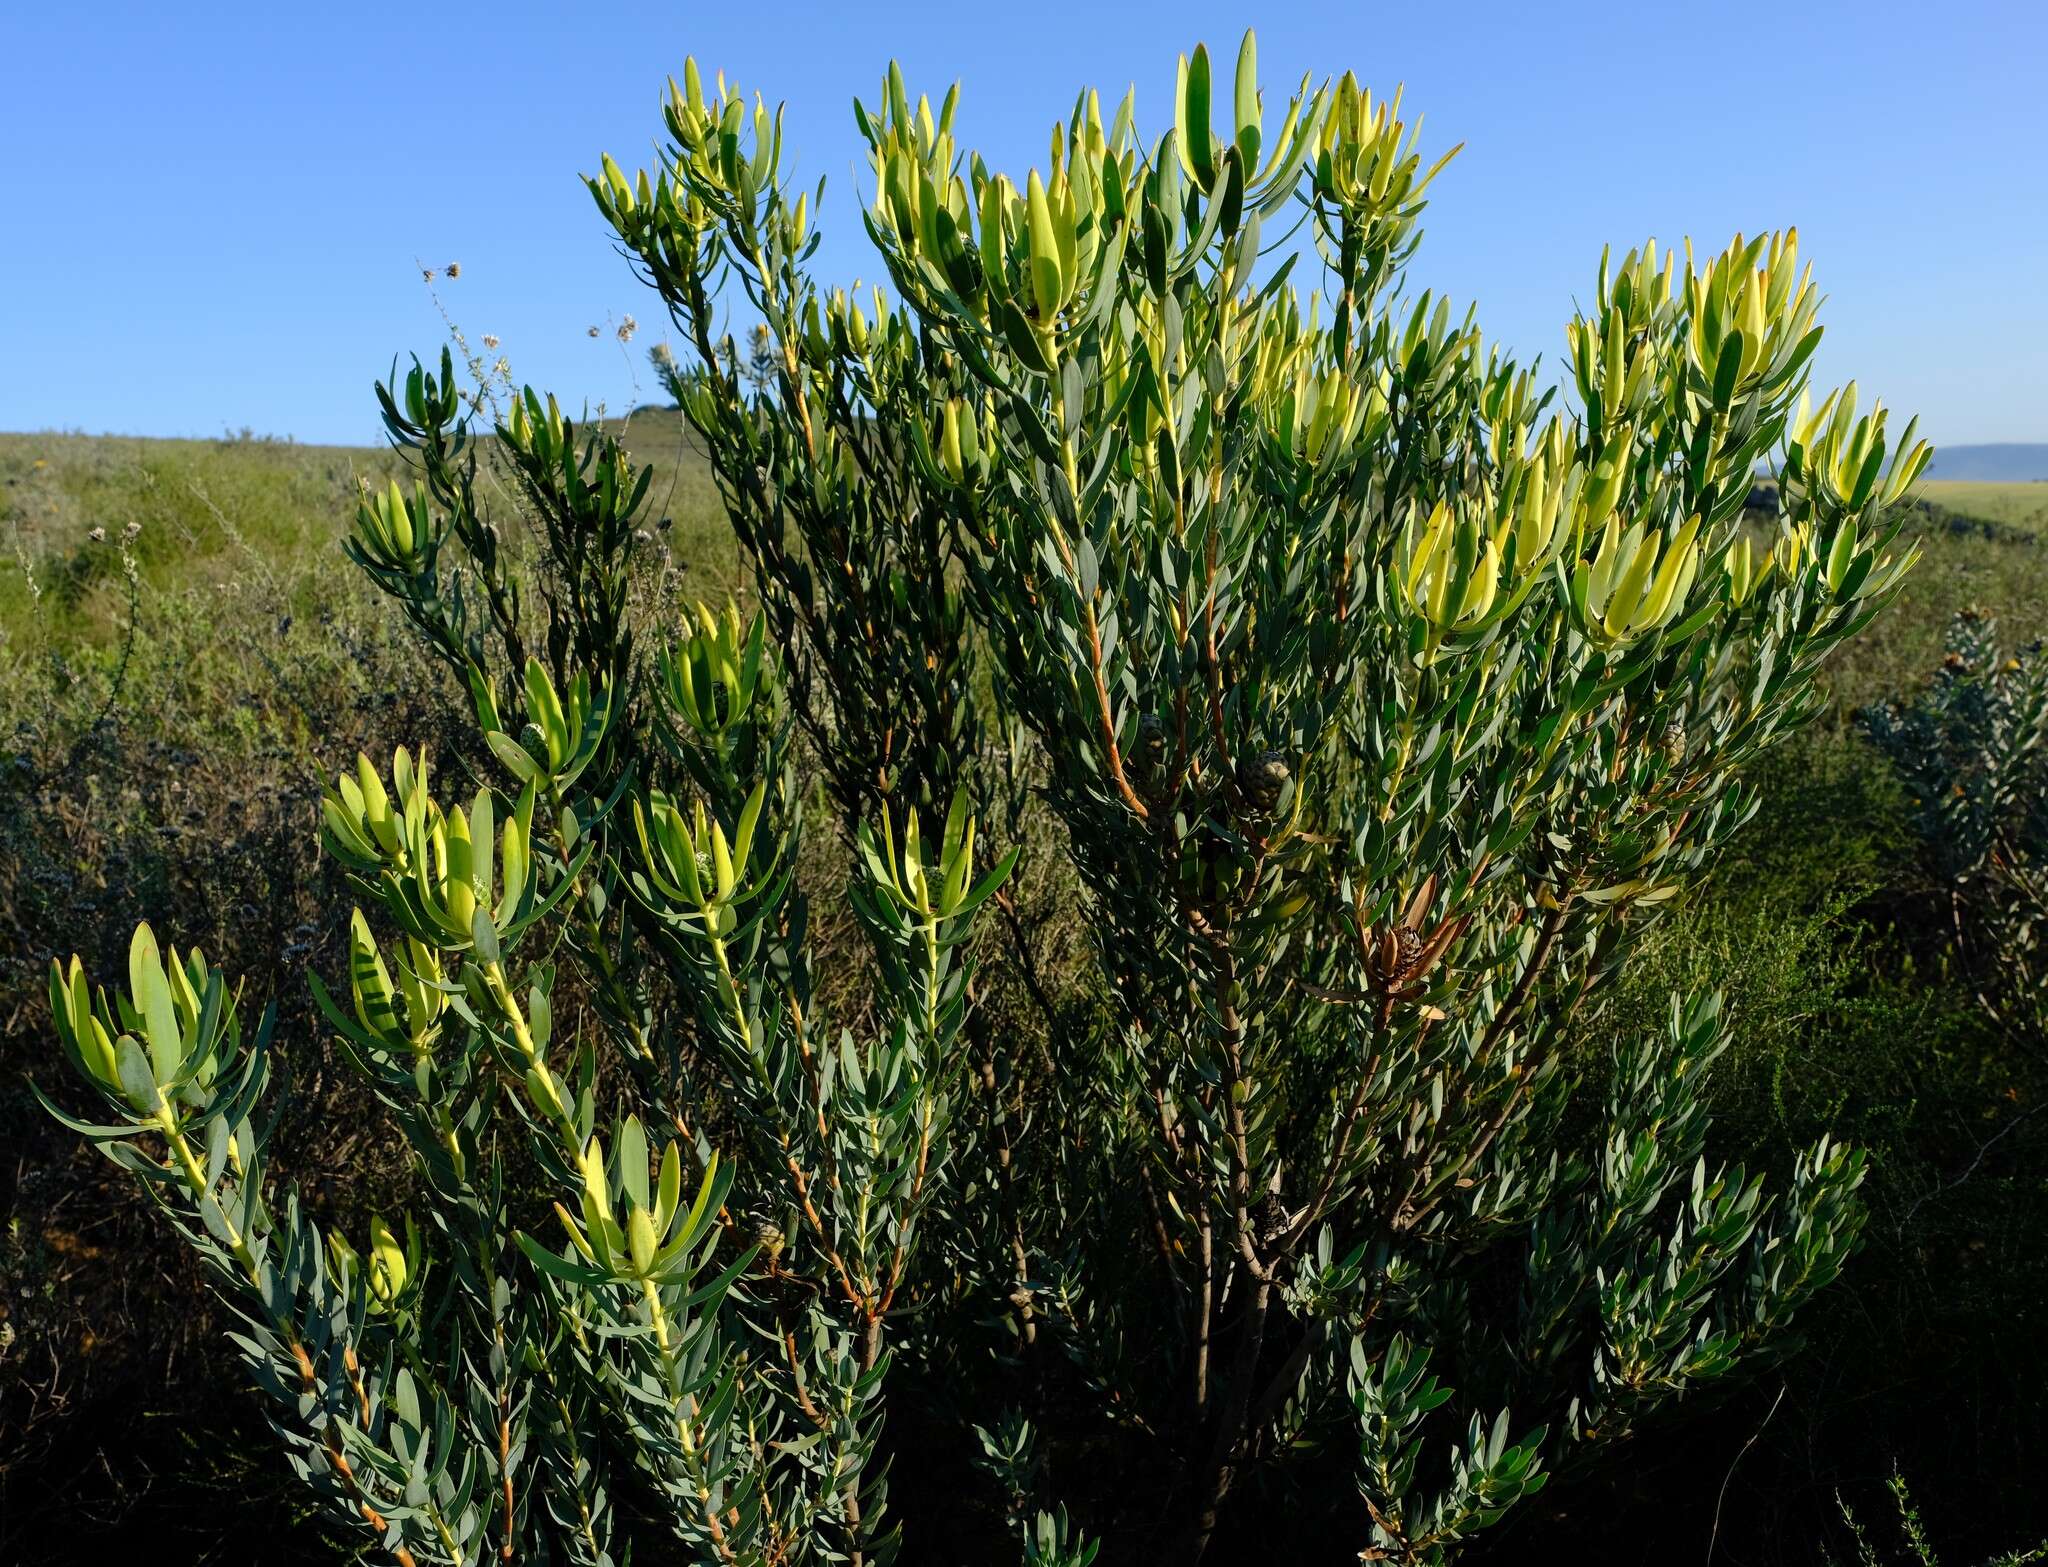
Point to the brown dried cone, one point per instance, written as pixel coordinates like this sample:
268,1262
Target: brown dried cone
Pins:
1398,958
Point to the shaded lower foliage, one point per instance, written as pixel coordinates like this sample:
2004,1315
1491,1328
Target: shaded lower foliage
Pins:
176,771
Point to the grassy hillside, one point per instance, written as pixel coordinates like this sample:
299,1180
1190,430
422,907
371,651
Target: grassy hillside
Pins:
225,530
2019,505
229,519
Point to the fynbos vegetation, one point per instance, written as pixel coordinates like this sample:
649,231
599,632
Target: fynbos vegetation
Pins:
1971,751
1377,707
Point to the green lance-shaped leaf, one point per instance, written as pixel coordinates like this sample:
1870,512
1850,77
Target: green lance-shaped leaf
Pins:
1247,100
1192,123
1048,288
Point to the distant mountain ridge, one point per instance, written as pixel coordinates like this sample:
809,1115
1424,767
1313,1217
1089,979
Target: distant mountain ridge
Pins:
2005,463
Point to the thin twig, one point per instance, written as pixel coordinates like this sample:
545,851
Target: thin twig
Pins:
1996,1138
1714,1538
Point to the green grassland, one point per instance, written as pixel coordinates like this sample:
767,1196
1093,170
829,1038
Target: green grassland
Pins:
185,652
2017,505
234,517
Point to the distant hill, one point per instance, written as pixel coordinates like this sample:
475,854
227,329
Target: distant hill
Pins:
2002,464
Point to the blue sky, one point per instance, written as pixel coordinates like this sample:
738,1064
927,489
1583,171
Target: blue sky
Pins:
214,218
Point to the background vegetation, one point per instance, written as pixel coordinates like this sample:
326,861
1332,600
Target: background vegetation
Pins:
174,613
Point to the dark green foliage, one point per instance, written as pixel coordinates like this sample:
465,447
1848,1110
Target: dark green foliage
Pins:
1853,1024
1971,752
1379,714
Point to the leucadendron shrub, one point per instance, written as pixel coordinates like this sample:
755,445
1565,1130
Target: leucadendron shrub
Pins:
1971,751
1378,699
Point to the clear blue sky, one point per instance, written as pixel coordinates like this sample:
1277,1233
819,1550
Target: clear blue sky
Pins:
214,216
